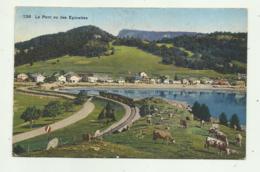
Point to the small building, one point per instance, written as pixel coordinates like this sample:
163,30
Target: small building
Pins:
221,82
38,77
92,79
143,75
61,78
241,76
206,81
22,77
120,81
72,77
152,81
166,81
185,82
176,82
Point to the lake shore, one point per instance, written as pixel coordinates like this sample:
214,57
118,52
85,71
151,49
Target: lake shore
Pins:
153,86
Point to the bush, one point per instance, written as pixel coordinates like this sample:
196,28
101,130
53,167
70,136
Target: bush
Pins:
201,111
18,149
81,97
234,121
53,109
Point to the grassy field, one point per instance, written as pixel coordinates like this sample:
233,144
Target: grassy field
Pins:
73,134
23,100
137,142
126,60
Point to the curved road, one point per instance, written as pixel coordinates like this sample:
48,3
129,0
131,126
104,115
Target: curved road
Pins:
131,115
88,107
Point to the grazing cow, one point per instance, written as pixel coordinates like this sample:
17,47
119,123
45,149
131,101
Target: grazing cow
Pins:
149,120
167,128
164,135
202,122
97,133
221,136
87,137
235,127
183,123
239,139
161,119
220,145
212,130
170,115
216,126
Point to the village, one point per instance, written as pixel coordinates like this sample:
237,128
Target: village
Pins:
136,79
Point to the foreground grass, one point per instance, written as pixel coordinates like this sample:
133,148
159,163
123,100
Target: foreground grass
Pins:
137,142
125,61
23,100
73,134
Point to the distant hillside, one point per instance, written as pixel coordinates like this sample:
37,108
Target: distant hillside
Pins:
151,35
85,41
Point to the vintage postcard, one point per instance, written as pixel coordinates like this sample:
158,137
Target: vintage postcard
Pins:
160,83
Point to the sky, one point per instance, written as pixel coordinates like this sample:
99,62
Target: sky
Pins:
112,20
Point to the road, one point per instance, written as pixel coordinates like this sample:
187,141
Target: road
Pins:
131,115
87,108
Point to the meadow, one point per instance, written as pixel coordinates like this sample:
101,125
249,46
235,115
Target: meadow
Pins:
73,133
23,100
125,61
138,143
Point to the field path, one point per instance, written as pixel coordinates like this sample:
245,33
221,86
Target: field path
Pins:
87,108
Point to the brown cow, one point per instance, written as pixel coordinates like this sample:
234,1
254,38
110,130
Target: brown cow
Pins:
220,145
183,123
164,135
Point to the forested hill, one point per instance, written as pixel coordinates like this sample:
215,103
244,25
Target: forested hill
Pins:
85,41
221,51
150,35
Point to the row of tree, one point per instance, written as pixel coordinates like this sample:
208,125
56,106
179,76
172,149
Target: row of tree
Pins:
201,111
233,122
52,109
107,113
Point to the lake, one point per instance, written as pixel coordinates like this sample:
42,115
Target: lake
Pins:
218,101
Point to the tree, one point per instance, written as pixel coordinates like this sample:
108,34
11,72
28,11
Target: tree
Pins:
234,121
223,119
30,114
196,109
68,106
108,112
205,114
53,109
81,97
18,149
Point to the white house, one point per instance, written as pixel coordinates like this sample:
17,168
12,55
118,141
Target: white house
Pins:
22,77
185,81
72,77
166,81
143,75
120,81
38,78
176,82
61,78
92,79
152,81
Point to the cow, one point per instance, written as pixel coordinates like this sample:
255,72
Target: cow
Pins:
183,123
87,137
164,135
170,115
216,126
235,127
239,139
149,120
220,145
221,136
202,122
97,133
